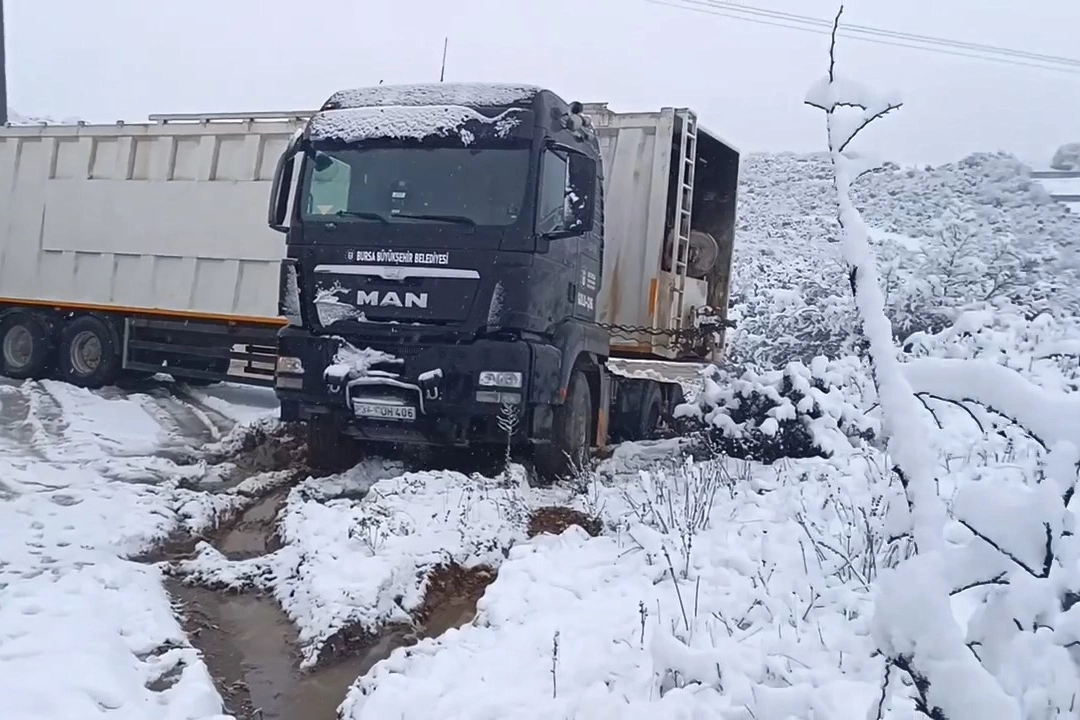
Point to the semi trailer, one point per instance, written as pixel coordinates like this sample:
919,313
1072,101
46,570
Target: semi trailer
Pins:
141,248
473,265
453,265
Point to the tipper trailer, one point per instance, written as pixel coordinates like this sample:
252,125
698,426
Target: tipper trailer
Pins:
467,264
461,265
141,248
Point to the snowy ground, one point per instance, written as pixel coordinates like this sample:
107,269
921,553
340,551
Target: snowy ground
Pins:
87,481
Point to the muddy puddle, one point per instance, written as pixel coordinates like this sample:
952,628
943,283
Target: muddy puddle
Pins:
250,645
254,533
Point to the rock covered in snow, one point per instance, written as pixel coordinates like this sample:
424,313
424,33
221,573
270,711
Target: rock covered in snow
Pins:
1067,157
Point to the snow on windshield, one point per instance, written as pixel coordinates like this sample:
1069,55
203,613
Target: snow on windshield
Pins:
469,94
399,122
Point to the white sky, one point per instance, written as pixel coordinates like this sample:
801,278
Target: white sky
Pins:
110,59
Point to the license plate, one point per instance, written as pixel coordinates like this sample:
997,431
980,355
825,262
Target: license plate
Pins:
384,412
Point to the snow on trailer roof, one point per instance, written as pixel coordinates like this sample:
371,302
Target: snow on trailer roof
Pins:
405,122
466,94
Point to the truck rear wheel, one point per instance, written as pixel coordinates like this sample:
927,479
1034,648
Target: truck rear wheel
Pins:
26,347
89,354
329,449
570,444
650,413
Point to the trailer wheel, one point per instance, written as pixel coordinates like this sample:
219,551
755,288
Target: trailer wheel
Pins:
89,353
329,449
570,444
650,413
26,346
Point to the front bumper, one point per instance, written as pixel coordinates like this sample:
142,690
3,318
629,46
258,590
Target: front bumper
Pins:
427,395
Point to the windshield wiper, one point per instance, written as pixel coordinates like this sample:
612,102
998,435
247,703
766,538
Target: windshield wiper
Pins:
456,219
361,214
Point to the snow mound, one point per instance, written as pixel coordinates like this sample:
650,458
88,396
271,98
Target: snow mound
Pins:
800,411
355,565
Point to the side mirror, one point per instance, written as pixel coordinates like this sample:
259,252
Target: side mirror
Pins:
277,212
580,194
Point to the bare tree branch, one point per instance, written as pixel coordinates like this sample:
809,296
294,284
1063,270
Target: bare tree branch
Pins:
1020,563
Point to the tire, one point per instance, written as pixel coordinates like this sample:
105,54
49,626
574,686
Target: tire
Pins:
26,347
329,449
649,413
569,449
89,353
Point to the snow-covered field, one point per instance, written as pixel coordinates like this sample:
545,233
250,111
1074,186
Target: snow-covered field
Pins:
771,578
88,481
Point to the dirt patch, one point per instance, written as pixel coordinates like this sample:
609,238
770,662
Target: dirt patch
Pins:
555,520
451,597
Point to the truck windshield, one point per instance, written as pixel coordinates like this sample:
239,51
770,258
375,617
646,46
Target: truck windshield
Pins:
471,187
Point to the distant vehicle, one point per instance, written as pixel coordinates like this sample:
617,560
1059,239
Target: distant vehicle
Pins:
141,248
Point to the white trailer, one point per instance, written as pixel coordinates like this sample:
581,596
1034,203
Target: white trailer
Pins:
669,194
141,247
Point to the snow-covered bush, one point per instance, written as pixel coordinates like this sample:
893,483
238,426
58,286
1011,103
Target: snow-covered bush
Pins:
798,412
944,236
1010,540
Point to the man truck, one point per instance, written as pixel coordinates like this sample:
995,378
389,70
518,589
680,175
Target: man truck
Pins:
458,265
467,265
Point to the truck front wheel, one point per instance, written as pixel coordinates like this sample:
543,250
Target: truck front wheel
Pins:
570,444
329,449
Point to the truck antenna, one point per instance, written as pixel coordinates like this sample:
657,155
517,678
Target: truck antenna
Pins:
442,71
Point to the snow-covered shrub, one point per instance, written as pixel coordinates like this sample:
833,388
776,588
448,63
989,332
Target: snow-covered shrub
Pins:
798,412
944,236
1011,541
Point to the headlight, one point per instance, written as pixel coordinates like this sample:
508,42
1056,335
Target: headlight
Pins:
495,378
290,365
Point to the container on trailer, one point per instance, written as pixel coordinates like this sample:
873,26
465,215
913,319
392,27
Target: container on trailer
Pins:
166,216
669,222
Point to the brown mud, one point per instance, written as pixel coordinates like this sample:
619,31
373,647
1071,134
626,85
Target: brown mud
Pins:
555,519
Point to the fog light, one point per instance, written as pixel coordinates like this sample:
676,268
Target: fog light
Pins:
498,398
289,382
497,378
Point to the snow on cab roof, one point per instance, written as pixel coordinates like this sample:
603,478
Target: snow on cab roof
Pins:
467,94
400,122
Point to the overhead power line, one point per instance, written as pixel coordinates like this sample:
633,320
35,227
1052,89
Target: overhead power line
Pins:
879,36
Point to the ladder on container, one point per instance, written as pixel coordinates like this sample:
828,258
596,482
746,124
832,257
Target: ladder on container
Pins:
680,248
